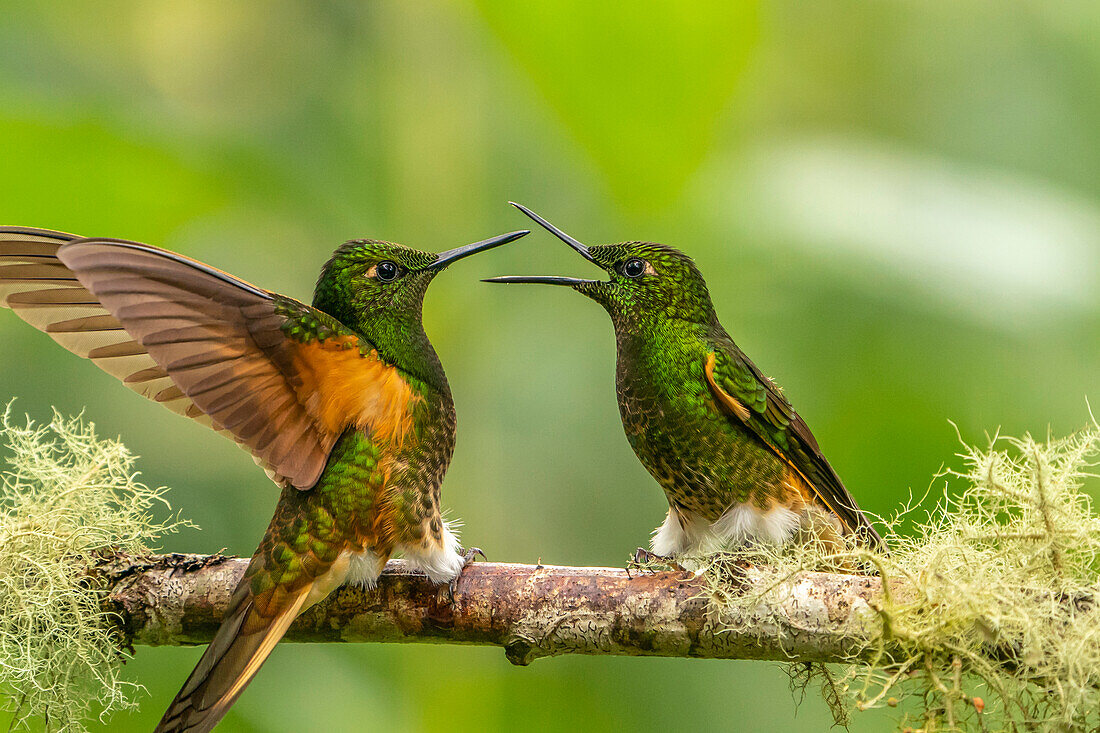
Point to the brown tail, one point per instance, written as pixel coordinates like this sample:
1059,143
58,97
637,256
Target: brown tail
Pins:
240,647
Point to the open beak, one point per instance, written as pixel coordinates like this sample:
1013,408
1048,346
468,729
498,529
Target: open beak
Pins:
445,258
581,249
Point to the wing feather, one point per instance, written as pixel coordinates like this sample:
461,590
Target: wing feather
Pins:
202,343
754,400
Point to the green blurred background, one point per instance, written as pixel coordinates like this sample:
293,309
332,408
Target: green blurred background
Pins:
897,206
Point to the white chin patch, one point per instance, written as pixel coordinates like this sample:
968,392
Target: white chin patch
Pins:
689,534
441,563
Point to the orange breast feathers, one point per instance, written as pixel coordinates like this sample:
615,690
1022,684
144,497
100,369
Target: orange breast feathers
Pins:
342,388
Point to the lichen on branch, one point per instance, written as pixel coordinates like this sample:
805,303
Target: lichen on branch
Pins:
65,495
982,617
987,620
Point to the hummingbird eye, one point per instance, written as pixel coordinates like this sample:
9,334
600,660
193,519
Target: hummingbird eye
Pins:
634,267
386,271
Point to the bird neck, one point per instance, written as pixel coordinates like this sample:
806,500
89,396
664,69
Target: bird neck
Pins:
407,347
662,354
398,336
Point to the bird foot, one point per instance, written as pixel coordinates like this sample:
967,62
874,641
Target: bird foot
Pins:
643,560
468,556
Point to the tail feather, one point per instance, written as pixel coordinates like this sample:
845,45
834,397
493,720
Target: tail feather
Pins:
240,647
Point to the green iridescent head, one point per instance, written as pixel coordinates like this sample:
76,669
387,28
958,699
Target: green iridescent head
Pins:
647,282
366,280
377,289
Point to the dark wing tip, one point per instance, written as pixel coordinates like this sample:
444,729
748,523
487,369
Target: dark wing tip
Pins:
37,232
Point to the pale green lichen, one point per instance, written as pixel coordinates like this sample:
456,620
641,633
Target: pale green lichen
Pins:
65,495
992,624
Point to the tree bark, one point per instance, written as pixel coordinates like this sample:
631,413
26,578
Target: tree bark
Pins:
531,611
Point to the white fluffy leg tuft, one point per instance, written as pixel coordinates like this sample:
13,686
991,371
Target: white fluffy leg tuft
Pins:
364,568
745,522
669,539
689,534
442,563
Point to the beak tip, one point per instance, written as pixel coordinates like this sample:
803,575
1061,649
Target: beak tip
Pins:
445,258
578,246
511,237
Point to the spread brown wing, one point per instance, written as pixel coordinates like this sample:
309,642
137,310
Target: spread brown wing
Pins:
204,344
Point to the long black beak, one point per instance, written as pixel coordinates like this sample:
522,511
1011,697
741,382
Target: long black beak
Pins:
445,258
543,279
581,249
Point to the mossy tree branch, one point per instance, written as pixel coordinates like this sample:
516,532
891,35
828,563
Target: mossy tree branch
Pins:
988,619
531,611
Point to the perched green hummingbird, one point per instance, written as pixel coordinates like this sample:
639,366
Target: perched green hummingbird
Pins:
736,462
344,403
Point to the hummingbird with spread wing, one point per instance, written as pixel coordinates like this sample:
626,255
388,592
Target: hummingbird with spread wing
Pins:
736,462
343,402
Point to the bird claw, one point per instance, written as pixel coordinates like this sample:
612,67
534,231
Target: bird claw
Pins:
470,554
468,557
643,560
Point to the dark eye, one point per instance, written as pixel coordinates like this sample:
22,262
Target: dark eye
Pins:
386,271
634,267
